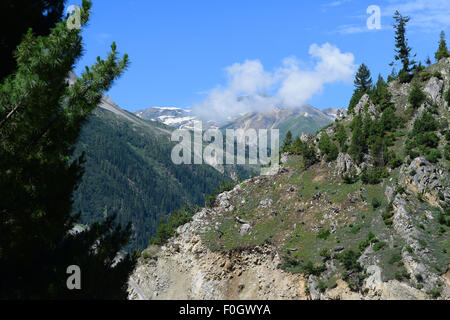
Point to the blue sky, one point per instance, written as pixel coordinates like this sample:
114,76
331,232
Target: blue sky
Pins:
180,50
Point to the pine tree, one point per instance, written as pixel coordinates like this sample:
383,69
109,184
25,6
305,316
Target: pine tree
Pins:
341,136
403,51
381,95
16,17
358,142
416,96
363,80
442,50
40,120
363,85
287,142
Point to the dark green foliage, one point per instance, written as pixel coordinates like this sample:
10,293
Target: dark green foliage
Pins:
389,120
395,258
287,144
341,136
166,230
423,139
370,239
324,234
373,175
358,143
438,75
380,94
376,203
350,177
425,75
416,96
41,119
442,51
447,152
308,152
325,254
433,155
402,274
379,246
356,97
309,268
402,50
394,161
349,259
387,217
435,293
447,96
363,80
16,18
328,148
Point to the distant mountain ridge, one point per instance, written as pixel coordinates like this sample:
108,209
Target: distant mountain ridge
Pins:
306,119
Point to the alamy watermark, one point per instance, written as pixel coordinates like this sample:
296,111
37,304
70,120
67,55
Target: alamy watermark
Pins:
74,19
74,280
374,21
252,147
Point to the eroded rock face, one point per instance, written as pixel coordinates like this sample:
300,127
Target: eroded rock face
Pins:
434,89
196,273
365,106
424,178
345,164
390,290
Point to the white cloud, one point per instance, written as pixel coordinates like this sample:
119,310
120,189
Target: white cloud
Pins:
427,15
291,85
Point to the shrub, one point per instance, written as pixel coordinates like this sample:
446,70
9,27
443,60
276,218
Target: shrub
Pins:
404,77
350,177
322,286
373,175
309,269
402,274
425,75
447,152
447,96
437,74
379,245
396,257
376,203
433,155
435,293
416,96
349,259
167,229
323,234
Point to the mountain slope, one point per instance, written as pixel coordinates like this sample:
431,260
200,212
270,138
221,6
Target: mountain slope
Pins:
301,120
129,171
371,223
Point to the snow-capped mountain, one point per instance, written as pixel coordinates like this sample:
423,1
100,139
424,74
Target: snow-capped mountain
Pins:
173,117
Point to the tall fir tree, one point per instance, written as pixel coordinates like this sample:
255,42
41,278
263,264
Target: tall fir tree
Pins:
363,80
442,50
363,85
40,120
402,50
287,144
